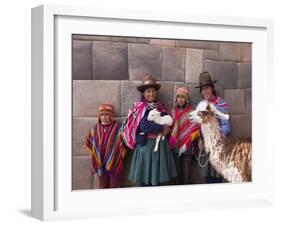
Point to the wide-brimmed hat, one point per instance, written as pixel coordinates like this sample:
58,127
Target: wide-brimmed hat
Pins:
205,79
148,82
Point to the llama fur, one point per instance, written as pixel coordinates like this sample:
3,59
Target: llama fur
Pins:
232,158
156,117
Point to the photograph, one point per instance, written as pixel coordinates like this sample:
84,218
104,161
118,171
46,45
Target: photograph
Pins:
159,112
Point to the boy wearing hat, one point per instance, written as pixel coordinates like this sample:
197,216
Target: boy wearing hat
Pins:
106,147
208,92
183,135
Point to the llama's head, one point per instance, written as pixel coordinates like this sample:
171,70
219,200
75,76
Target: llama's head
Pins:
153,114
205,111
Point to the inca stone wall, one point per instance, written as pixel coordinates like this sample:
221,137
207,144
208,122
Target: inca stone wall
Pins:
108,69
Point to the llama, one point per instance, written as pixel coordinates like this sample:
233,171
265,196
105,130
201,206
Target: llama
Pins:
156,117
231,158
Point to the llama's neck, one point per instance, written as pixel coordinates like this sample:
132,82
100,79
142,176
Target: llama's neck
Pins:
212,136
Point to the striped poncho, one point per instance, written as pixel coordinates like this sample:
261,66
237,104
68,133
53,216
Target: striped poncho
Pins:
183,131
106,148
131,123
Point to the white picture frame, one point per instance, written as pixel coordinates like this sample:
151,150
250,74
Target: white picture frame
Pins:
52,197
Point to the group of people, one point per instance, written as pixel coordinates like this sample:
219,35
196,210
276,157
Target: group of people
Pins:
176,161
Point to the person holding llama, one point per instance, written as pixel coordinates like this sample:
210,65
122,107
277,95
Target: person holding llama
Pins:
107,149
208,92
148,167
183,139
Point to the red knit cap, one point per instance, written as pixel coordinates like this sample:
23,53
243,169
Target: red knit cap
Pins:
182,91
106,108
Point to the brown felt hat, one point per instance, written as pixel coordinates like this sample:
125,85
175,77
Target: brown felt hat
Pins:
148,82
205,79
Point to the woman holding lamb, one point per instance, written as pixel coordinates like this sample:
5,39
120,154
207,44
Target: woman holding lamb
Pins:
148,167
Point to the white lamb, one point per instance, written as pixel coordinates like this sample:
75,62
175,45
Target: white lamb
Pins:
156,117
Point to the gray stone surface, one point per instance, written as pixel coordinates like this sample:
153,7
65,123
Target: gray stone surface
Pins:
89,95
173,67
80,129
230,51
246,51
165,42
248,95
81,59
195,95
244,75
143,40
81,172
144,59
164,94
194,65
210,54
95,181
129,95
241,125
91,37
224,72
236,100
198,44
125,39
110,60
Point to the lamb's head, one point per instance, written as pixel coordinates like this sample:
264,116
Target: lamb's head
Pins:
153,115
205,111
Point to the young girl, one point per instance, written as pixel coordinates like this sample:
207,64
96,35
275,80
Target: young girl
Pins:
106,147
183,135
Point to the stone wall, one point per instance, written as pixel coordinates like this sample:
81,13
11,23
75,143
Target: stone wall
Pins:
108,69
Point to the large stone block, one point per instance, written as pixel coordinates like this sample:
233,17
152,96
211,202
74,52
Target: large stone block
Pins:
195,44
236,100
195,95
241,126
164,42
165,94
91,37
246,51
244,75
143,40
110,60
89,95
194,65
210,54
230,51
80,129
248,95
173,66
81,59
125,39
144,59
81,173
224,72
129,95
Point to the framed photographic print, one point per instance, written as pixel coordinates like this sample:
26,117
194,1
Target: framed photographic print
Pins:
88,64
